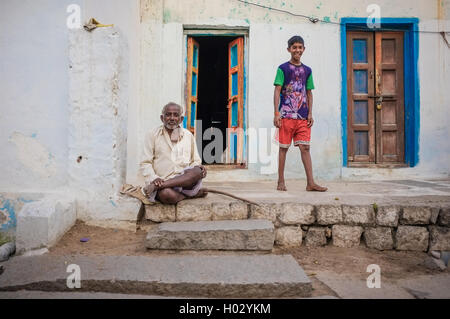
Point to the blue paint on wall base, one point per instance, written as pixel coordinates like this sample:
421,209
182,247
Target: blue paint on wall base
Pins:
7,209
411,85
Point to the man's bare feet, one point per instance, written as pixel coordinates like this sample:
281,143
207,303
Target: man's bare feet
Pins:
281,186
149,189
316,188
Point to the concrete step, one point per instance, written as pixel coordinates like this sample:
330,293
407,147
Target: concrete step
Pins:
252,234
256,276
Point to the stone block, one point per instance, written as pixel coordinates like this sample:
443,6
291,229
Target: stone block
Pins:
188,211
346,236
379,238
444,217
412,238
297,214
434,214
316,237
220,211
160,213
439,238
329,214
229,211
42,223
238,210
358,215
289,236
388,216
415,215
266,211
213,235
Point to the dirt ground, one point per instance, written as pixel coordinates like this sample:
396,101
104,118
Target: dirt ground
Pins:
353,261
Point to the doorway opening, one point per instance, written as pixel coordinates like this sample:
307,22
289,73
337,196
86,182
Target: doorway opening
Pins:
215,97
213,87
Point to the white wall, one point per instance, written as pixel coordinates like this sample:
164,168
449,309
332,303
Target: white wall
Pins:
33,94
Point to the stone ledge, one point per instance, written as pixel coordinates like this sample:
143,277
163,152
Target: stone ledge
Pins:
42,223
298,223
213,235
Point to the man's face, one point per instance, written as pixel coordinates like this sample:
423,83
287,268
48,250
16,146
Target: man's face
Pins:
296,50
171,117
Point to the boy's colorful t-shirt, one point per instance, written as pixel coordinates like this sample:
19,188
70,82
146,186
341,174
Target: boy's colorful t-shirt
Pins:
294,80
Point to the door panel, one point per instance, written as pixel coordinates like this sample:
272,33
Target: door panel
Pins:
361,120
193,52
235,132
390,114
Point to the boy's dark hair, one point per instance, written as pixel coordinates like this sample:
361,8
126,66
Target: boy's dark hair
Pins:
295,39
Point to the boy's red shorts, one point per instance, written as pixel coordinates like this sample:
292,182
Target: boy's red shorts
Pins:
294,129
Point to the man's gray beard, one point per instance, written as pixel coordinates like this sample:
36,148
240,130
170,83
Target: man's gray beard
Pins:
171,127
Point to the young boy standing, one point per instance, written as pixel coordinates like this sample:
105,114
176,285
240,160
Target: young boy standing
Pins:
293,114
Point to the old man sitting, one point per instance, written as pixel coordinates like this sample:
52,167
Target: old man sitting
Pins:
171,165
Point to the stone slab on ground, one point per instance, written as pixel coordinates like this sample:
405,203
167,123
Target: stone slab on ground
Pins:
42,223
252,234
193,276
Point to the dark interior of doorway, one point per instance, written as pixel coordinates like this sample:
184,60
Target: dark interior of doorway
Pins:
213,84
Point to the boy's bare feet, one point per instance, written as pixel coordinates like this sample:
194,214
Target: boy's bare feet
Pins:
315,188
281,186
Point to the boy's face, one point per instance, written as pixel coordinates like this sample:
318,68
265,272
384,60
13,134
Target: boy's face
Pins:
296,50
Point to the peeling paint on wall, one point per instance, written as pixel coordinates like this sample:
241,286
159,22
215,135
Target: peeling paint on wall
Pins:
33,155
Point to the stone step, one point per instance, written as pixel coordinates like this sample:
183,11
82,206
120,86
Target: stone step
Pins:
214,276
252,234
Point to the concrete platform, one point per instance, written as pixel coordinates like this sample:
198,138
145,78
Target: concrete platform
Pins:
213,235
191,276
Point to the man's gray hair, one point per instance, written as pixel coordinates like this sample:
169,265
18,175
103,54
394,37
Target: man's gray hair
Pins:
173,104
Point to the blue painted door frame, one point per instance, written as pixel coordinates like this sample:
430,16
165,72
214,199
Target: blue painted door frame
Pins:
411,76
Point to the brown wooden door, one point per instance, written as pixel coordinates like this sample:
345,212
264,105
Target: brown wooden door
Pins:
375,109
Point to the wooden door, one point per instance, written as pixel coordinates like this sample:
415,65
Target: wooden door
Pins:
192,84
375,118
235,131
